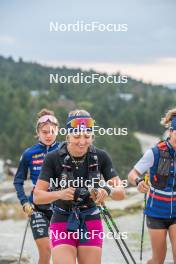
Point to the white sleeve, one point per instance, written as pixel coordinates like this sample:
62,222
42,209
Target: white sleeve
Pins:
146,162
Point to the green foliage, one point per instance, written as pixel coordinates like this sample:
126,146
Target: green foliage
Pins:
25,89
124,150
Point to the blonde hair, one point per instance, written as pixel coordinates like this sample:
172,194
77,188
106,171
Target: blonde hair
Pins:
43,112
78,112
166,120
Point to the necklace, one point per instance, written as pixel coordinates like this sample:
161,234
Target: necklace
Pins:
77,162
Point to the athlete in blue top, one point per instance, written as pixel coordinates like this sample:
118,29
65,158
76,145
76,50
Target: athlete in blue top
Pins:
160,209
31,160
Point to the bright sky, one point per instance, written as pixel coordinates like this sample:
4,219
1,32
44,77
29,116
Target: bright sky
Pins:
146,51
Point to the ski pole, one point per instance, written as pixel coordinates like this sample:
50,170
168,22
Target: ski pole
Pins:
111,230
143,221
24,237
106,212
117,230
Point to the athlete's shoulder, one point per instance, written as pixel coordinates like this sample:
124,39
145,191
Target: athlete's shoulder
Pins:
52,158
101,152
53,154
34,149
54,146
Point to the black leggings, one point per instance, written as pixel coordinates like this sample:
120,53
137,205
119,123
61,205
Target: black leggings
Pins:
160,223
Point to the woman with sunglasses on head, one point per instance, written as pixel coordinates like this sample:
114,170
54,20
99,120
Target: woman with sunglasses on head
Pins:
32,159
76,169
161,203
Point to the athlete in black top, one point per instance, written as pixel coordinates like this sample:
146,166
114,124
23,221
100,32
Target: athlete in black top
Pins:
74,207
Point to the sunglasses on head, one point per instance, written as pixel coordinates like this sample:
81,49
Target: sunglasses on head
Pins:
82,122
47,118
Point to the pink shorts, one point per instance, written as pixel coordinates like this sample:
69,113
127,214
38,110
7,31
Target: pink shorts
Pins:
59,234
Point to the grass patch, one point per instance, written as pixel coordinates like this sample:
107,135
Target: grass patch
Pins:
128,211
11,211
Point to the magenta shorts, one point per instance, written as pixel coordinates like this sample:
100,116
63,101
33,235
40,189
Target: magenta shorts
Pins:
59,234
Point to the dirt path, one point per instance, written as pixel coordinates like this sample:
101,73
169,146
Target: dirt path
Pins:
146,140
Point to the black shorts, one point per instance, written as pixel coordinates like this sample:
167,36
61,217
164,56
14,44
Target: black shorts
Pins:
40,221
160,223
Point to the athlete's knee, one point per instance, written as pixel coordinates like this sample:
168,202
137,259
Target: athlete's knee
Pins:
44,251
44,260
44,255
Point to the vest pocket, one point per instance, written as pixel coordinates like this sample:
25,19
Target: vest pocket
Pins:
163,170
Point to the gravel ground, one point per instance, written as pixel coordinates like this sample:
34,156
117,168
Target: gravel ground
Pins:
11,233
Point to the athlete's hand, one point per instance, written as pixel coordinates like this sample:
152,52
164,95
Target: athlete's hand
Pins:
28,209
67,194
143,187
100,196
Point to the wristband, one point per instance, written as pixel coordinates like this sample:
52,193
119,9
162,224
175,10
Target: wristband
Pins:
108,189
